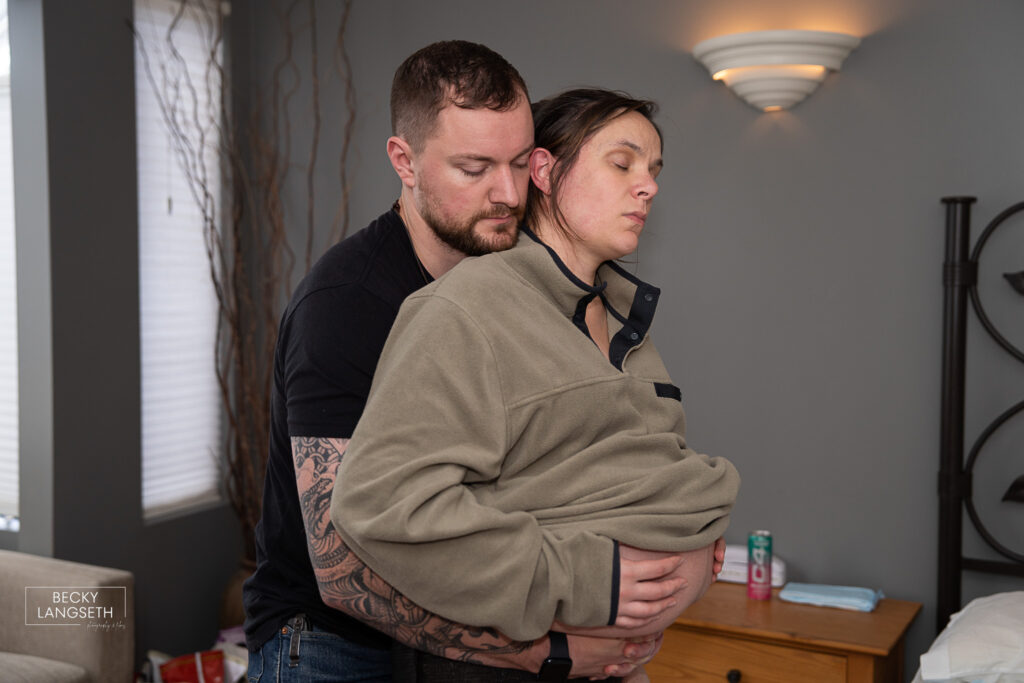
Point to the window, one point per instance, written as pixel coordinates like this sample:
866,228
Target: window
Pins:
178,119
8,298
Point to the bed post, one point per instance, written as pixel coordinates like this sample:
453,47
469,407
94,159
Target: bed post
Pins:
959,273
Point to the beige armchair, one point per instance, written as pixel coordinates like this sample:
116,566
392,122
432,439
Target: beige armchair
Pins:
100,652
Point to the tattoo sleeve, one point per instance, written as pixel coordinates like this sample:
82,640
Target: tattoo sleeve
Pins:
349,585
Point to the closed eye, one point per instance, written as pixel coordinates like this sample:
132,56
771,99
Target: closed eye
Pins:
621,160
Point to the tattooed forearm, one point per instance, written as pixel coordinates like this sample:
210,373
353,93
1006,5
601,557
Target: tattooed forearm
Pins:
350,586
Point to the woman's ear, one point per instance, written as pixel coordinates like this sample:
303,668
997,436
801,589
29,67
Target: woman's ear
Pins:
401,156
541,165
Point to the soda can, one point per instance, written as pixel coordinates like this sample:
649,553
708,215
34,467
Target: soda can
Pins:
759,565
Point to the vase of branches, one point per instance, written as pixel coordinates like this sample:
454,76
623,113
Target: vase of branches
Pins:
257,248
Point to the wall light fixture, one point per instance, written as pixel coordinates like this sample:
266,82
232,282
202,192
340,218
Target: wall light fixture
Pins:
774,70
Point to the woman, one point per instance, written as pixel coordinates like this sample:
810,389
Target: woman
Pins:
513,447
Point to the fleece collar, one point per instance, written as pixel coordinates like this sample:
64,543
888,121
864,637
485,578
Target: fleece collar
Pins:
629,299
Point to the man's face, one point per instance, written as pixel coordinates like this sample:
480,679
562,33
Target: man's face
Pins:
472,175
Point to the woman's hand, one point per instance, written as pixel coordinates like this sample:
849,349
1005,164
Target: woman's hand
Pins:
648,583
716,569
644,605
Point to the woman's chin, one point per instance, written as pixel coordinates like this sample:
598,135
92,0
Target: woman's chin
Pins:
627,247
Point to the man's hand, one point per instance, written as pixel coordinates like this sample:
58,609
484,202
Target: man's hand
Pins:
638,676
599,658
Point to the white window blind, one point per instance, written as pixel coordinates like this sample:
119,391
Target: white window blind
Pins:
8,292
181,409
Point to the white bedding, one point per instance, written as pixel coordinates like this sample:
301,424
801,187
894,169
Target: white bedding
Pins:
983,643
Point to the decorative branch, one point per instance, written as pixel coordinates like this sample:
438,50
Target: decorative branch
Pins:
344,70
243,219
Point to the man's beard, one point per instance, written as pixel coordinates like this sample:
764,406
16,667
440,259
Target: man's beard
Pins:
460,235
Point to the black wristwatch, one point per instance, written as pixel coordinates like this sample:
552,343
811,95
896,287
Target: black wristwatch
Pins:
557,666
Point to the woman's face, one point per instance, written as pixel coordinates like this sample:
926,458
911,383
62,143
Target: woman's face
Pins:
606,195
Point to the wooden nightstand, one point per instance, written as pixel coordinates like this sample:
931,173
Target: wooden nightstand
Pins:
772,641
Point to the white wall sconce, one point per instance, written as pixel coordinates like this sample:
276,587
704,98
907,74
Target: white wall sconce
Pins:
774,70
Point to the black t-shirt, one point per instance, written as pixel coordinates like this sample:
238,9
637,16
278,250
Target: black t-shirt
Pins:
329,341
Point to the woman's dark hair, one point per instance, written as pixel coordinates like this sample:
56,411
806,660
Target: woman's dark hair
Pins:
562,125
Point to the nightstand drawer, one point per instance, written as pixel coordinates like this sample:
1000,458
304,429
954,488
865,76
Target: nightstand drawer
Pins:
694,657
771,641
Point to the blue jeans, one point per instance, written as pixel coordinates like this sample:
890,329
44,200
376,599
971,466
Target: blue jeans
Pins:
323,657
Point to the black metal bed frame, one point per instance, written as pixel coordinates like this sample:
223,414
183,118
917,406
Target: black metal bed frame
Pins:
960,277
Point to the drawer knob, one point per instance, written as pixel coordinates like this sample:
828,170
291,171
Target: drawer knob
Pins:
733,676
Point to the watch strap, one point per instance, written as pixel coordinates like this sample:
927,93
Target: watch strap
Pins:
558,665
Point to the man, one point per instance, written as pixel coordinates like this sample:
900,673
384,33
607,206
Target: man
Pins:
463,134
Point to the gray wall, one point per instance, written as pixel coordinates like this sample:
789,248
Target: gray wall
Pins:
799,253
75,184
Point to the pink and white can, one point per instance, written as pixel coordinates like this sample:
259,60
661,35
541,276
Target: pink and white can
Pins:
759,565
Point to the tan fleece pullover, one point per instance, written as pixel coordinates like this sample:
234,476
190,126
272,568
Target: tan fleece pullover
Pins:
501,455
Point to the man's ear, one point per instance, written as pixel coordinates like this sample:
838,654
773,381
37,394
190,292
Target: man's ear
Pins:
401,156
541,164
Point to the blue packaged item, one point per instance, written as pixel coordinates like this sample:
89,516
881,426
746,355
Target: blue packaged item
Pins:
843,597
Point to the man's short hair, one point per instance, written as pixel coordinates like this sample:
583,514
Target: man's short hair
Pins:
467,75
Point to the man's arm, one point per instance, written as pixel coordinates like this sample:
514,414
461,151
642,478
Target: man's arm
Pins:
349,585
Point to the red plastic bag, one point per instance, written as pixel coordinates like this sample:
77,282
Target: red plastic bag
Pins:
198,667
